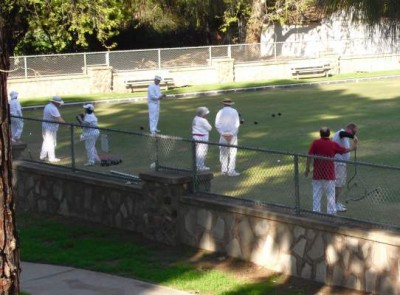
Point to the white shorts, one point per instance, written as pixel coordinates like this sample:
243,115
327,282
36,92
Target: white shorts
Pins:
341,174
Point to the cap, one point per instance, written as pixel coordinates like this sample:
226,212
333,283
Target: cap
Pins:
202,111
88,106
228,102
157,77
13,94
57,99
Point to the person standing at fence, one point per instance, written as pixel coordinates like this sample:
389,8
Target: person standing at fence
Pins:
90,134
49,129
200,132
154,96
342,137
227,123
323,181
17,124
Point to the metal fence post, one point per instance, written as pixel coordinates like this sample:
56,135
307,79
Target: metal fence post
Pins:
296,185
26,67
85,63
159,58
72,129
157,164
194,167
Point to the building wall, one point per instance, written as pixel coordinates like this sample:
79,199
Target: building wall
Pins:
163,209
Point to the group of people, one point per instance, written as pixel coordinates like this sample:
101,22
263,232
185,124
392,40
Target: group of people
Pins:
329,177
227,123
51,119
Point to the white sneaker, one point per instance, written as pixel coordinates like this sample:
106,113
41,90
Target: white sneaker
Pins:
42,158
233,173
158,131
340,207
55,160
204,168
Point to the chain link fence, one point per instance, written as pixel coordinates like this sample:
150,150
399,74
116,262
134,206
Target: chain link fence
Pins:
371,192
168,58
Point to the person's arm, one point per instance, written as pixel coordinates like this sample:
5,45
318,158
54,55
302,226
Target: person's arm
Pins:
154,93
59,119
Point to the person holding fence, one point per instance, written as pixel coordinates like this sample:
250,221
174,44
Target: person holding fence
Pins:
90,133
323,181
49,129
343,137
154,96
200,132
17,124
227,123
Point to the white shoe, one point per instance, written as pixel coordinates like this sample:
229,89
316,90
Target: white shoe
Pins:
42,158
340,207
55,160
158,131
233,173
204,168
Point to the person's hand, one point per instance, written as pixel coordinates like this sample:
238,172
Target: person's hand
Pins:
355,140
227,137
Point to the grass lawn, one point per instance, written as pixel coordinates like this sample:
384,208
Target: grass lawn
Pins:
69,242
373,105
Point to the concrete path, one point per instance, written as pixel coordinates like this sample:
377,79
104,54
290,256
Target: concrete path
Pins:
45,279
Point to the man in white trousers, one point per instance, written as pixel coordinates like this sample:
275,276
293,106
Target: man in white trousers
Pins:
49,129
200,131
17,124
154,96
227,123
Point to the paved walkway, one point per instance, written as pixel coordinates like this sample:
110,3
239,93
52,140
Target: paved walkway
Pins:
45,279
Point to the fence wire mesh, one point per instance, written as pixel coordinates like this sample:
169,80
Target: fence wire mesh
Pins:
371,193
149,59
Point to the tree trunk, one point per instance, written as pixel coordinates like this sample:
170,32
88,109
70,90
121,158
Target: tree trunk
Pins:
9,248
254,25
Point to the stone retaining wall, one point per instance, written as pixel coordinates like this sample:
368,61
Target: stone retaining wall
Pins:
163,209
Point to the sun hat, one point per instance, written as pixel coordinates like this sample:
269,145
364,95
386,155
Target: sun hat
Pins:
57,99
157,77
88,106
202,111
228,102
13,94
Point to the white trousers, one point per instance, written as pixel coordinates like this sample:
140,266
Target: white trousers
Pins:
227,155
321,187
91,151
17,125
154,115
201,151
49,144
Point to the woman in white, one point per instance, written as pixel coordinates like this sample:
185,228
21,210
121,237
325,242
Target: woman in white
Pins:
17,124
90,135
200,132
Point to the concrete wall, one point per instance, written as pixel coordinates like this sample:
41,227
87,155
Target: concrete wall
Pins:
163,209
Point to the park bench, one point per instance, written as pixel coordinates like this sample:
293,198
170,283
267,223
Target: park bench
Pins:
311,69
140,84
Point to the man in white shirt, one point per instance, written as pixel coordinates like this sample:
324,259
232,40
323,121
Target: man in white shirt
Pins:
17,124
227,123
342,137
49,129
153,100
200,132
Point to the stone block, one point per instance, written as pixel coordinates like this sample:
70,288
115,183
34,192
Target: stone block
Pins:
321,272
207,242
317,250
233,249
299,247
204,219
219,229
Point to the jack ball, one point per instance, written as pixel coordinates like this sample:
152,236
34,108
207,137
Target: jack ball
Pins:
273,115
255,122
141,128
241,121
279,114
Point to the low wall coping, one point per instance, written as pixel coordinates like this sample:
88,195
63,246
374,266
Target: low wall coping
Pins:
324,223
166,177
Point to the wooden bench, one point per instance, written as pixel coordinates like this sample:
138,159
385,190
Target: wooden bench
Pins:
140,84
311,69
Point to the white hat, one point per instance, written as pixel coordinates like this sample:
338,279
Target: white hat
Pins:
157,77
13,94
202,111
88,106
228,102
57,99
